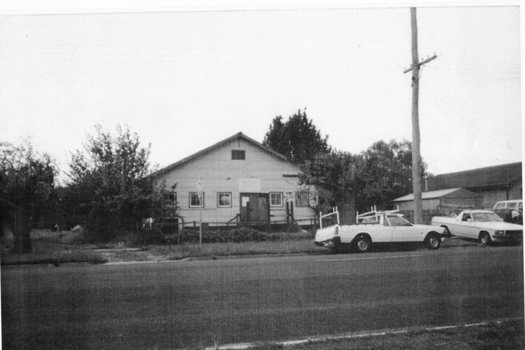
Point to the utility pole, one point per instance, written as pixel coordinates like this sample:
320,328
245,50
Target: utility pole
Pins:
416,139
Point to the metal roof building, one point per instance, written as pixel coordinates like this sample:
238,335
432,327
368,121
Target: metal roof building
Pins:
451,198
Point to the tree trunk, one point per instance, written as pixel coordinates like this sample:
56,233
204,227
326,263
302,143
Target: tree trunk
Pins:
21,232
347,211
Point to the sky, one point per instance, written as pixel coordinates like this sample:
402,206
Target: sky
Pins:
186,77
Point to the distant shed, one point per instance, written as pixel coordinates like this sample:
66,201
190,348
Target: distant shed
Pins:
442,200
494,183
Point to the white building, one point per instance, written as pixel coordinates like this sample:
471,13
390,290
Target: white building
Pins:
241,181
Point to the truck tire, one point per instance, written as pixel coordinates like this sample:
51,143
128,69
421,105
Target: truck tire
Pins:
362,244
484,238
433,241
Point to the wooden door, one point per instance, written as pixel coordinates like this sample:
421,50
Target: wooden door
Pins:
255,208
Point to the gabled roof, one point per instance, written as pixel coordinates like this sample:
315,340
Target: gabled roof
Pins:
499,176
207,150
436,194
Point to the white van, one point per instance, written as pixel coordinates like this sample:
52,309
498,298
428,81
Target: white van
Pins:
513,207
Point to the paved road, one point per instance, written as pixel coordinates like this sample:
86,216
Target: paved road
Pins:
184,304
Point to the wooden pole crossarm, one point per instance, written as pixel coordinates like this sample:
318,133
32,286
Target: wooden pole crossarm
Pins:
422,63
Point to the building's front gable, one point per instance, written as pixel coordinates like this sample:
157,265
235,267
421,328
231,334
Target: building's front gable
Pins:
238,176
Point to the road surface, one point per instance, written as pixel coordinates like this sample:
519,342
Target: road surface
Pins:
194,303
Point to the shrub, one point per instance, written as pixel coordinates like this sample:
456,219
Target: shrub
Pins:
190,236
235,235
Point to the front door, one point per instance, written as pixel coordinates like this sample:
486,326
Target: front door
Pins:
255,208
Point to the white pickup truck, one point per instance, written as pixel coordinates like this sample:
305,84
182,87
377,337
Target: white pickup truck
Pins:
377,227
483,225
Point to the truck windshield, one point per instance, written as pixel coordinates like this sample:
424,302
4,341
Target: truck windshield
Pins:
484,217
398,221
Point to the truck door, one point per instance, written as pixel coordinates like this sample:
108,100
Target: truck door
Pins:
403,231
465,226
381,232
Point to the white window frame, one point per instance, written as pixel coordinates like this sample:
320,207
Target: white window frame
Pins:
193,195
300,204
229,195
171,200
280,194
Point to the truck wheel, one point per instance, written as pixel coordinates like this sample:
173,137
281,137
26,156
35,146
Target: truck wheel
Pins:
484,238
433,241
362,244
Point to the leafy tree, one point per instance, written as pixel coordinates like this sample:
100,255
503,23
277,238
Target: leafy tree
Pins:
388,173
358,182
337,177
26,184
109,186
298,139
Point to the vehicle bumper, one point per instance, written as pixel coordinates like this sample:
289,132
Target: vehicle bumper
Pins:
331,243
507,238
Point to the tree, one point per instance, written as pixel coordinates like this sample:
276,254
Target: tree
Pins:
26,184
388,173
109,183
298,139
358,182
337,177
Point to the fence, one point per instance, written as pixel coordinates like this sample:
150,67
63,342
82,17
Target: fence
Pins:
280,225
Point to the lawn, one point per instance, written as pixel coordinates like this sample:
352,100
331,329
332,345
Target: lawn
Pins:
67,246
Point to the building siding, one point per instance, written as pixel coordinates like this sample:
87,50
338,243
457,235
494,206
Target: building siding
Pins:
259,172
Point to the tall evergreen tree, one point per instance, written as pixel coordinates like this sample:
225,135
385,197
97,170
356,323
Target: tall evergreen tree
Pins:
298,139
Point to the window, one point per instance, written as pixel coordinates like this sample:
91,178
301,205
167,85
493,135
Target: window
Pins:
170,199
302,199
398,221
276,199
238,154
195,201
224,200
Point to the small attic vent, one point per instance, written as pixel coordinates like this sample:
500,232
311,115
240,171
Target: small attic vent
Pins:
238,154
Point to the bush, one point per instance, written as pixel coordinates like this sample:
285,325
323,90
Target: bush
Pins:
189,236
235,235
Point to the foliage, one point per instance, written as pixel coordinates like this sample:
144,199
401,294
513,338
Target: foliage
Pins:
191,236
26,185
388,173
109,189
373,178
298,139
335,175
